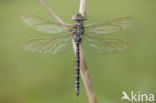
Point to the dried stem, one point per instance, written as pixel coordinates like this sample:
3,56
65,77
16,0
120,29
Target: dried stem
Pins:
82,8
54,14
83,67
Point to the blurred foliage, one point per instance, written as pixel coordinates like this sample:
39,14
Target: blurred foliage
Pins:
34,78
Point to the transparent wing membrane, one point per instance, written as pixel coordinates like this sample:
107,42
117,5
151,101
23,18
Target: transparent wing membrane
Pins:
91,43
51,45
109,27
43,25
104,45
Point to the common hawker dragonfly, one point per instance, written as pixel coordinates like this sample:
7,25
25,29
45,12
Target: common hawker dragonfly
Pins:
92,37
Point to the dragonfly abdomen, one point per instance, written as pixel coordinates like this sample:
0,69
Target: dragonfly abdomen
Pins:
77,69
77,39
77,52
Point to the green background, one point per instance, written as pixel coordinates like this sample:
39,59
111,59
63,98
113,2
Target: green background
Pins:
27,77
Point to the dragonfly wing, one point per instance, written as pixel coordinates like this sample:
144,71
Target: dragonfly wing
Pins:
51,45
43,25
109,27
104,45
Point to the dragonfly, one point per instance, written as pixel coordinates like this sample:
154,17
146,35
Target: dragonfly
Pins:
92,36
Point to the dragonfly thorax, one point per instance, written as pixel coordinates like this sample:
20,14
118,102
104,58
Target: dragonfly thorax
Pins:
78,29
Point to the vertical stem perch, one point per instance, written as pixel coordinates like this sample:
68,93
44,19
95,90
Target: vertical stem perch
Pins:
83,67
82,8
86,78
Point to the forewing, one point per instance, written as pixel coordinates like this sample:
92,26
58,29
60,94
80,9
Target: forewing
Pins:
51,45
104,45
109,27
43,25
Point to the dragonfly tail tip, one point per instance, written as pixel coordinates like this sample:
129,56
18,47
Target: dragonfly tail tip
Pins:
77,93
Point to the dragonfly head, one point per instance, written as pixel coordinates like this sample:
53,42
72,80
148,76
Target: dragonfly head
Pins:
78,17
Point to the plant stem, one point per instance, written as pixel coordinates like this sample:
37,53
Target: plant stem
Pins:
54,15
83,67
82,8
